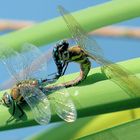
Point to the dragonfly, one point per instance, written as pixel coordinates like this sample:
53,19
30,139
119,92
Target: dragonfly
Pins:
28,68
118,74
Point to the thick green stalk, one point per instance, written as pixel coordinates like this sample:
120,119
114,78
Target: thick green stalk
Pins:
127,131
90,18
102,96
89,126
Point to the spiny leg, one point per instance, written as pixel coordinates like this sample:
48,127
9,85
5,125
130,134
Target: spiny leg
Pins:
13,113
14,108
21,110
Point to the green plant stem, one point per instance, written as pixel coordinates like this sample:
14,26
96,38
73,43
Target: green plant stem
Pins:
90,19
102,96
90,127
126,131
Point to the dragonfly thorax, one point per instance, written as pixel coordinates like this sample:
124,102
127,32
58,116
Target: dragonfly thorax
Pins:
30,82
22,85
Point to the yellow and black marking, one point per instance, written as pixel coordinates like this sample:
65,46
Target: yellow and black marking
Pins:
77,55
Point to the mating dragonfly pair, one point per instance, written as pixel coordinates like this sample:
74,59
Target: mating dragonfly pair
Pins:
28,68
33,91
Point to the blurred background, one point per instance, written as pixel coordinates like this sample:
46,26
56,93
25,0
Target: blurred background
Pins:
119,42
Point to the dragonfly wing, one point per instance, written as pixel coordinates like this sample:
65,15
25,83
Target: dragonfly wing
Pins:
63,105
30,63
123,78
38,103
36,61
78,33
14,63
118,74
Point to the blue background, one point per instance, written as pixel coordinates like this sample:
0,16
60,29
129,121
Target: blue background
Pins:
116,49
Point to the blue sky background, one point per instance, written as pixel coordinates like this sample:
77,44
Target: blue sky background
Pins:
116,49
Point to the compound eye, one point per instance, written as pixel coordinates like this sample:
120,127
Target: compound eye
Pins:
7,99
64,42
61,42
56,45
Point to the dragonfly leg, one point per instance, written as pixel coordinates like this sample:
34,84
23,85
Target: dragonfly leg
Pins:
13,113
21,110
14,109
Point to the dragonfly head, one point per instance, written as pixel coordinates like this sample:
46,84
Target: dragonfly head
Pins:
61,46
60,51
7,100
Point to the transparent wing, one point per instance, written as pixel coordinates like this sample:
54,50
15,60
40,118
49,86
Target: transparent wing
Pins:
118,74
30,63
38,103
77,32
14,63
36,61
62,104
